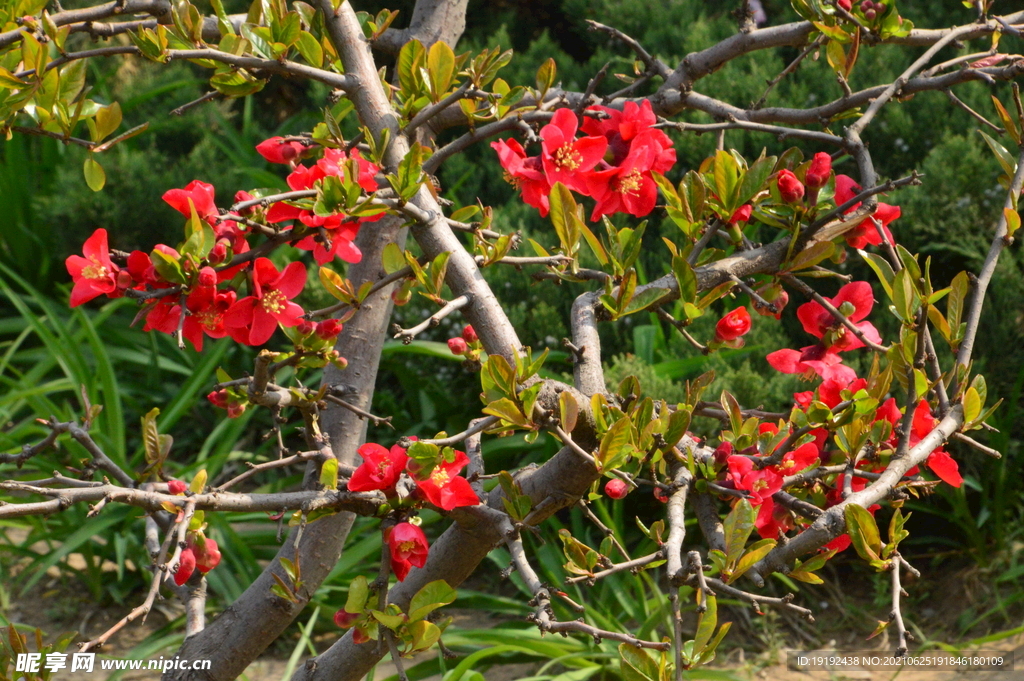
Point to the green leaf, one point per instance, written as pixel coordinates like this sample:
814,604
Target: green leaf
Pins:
614,440
507,410
1008,123
432,596
198,483
755,179
410,60
546,76
882,268
441,66
568,410
636,664
329,474
972,405
811,256
310,49
863,532
564,218
706,624
756,552
95,177
1005,158
738,526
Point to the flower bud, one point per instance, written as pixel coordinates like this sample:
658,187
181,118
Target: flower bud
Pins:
344,619
616,488
867,5
328,329
186,566
790,188
124,280
457,346
777,296
235,410
870,14
821,167
660,495
176,487
240,196
305,327
469,334
401,296
218,398
207,277
733,325
845,4
208,557
218,253
742,214
722,453
360,637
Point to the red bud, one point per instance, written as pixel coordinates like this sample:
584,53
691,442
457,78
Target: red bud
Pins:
328,328
616,488
457,346
469,334
176,487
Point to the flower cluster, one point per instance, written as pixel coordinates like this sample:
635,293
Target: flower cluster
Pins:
612,162
467,344
194,289
201,553
442,487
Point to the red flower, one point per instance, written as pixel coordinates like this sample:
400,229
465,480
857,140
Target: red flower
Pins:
819,171
565,158
408,547
829,391
277,150
855,300
94,274
790,188
799,459
328,329
253,320
772,519
176,487
845,4
761,484
866,232
380,469
811,360
207,555
207,307
457,346
201,195
524,173
469,334
621,128
939,461
616,488
186,566
733,325
334,159
627,188
445,488
742,214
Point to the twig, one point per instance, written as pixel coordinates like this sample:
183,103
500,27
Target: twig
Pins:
376,420
788,70
971,442
897,615
407,335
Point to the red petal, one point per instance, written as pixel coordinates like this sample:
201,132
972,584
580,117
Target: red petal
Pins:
292,280
943,465
787,361
860,295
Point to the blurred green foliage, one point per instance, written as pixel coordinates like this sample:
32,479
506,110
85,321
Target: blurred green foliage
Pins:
48,354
